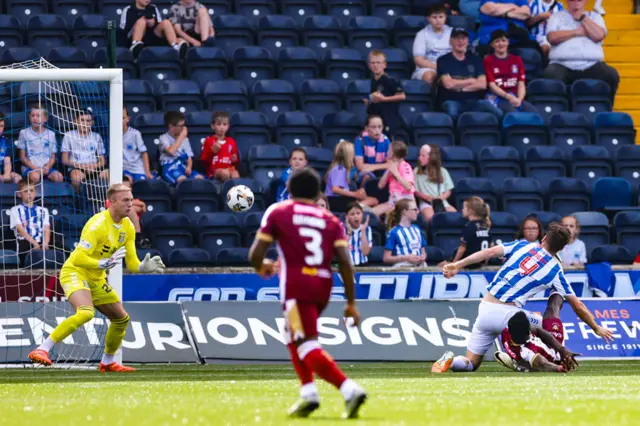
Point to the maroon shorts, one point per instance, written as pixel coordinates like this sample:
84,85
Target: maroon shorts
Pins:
301,319
555,327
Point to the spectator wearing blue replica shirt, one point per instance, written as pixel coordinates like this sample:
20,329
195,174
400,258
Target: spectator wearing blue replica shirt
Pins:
177,156
6,170
406,245
297,160
371,149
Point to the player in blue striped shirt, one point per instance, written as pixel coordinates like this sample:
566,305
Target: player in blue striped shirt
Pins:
406,245
358,234
529,269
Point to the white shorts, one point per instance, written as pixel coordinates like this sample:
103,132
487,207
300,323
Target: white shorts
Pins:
492,319
418,74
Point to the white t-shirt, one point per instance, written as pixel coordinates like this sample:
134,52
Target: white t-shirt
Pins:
430,45
38,146
573,253
132,153
83,149
578,53
166,141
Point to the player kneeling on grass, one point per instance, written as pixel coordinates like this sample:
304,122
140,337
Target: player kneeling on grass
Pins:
308,237
106,239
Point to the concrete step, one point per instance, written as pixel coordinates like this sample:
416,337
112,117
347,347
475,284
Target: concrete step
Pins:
622,38
622,22
629,86
627,70
627,103
622,53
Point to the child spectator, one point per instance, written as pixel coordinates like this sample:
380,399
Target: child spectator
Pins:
531,229
406,245
83,151
135,157
143,25
433,183
323,202
476,235
385,94
191,22
371,149
341,176
430,43
38,148
541,11
220,152
177,157
297,160
399,177
574,253
6,169
358,234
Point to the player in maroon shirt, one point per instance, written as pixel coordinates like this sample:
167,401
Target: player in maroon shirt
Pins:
307,238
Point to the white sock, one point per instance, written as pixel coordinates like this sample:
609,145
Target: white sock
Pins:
108,359
309,391
47,345
461,363
347,389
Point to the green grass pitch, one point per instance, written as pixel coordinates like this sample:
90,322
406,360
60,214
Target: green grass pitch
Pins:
604,394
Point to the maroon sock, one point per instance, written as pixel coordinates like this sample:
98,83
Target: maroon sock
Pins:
303,372
324,366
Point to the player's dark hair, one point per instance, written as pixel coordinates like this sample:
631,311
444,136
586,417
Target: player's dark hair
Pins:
558,236
304,183
480,209
436,9
394,216
520,233
219,115
519,328
173,118
353,205
302,150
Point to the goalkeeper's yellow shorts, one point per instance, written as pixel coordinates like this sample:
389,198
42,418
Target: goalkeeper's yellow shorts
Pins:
72,279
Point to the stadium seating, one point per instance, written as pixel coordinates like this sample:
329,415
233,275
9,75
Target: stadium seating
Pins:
297,64
590,97
405,29
320,97
226,95
301,9
498,163
25,9
611,192
546,217
276,32
627,163
44,259
590,163
217,231
155,193
343,65
614,254
10,32
319,159
614,130
255,9
205,64
70,10
295,129
594,229
236,256
169,231
67,57
158,64
251,64
544,163
196,197
89,32
188,257
399,66
124,58
521,196
139,97
627,230
446,229
45,32
321,32
481,187
504,226
249,128
419,99
435,255
433,127
272,97
549,96
9,259
568,195
354,94
338,126
568,130
233,31
523,130
367,32
180,95
477,130
459,162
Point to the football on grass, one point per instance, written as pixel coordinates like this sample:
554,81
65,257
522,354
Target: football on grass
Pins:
240,198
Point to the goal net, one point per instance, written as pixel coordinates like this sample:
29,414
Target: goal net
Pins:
63,139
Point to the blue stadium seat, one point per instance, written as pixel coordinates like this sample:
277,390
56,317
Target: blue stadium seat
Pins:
152,124
10,32
44,259
218,7
250,226
321,32
268,157
70,225
419,99
60,198
627,229
138,97
404,31
158,64
124,58
297,64
217,231
389,10
226,95
590,163
300,9
568,130
272,97
9,259
367,32
477,130
446,229
594,229
196,197
435,256
504,226
89,33
255,9
67,57
344,10
521,196
164,6
199,124
18,54
112,9
533,63
170,231
481,187
376,255
614,254
354,94
320,97
319,159
188,257
549,96
433,127
72,9
267,177
249,128
546,217
256,188
276,32
545,163
252,63
568,195
462,21
590,97
398,64
343,65
180,95
233,31
155,193
627,163
233,257
25,9
459,162
295,129
498,163
611,192
522,130
338,126
45,32
614,130
205,64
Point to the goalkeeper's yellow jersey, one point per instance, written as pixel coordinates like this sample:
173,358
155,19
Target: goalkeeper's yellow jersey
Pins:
101,237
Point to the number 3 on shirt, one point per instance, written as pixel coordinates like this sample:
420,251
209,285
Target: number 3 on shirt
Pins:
313,246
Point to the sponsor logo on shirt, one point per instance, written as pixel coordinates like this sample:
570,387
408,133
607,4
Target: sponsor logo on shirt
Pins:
84,243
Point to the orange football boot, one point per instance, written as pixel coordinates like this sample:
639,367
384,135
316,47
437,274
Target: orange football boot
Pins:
114,367
442,365
40,356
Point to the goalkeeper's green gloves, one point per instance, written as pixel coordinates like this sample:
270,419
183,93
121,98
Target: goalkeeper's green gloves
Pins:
151,264
115,259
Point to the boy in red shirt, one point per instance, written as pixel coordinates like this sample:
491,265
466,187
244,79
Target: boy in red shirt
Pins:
220,153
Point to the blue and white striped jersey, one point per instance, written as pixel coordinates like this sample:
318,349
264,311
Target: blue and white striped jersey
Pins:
402,241
529,269
355,245
33,220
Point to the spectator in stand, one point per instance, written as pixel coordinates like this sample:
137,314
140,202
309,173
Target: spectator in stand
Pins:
574,253
177,156
576,47
430,43
506,77
399,177
476,235
541,11
507,15
406,244
463,83
433,183
143,25
470,8
531,229
340,179
7,174
297,160
385,94
135,162
38,148
323,202
192,23
220,152
83,152
371,149
358,234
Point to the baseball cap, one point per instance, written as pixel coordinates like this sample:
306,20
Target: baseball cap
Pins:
498,34
458,32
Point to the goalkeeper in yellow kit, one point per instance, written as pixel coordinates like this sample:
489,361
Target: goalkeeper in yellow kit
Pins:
106,239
